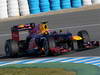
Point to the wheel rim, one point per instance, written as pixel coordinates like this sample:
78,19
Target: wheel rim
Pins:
66,46
75,45
45,46
86,37
7,50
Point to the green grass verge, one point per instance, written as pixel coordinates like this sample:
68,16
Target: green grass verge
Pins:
80,69
35,71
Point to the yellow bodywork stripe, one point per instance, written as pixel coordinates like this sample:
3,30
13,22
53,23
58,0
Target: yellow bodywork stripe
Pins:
76,37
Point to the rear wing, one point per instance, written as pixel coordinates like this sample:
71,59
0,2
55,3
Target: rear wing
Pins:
21,27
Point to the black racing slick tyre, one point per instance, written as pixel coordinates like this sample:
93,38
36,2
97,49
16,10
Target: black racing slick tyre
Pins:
52,44
75,45
45,45
84,34
11,48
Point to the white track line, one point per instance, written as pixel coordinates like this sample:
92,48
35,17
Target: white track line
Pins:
72,59
87,60
84,60
35,61
10,63
78,26
93,61
2,35
55,60
97,64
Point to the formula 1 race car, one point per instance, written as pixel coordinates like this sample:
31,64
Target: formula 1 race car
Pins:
42,41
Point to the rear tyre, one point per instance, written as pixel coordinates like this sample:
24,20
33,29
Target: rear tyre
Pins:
11,48
84,34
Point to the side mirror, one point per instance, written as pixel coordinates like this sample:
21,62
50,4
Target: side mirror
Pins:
32,25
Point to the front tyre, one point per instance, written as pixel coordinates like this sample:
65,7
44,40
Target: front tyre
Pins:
84,34
52,44
45,46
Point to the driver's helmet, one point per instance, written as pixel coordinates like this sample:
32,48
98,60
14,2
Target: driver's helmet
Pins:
43,27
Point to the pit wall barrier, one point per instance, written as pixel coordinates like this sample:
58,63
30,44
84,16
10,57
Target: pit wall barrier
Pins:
11,8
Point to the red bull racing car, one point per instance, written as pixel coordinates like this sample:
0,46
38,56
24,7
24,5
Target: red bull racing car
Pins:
42,41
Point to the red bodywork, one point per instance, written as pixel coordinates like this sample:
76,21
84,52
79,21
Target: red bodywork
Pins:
59,50
92,44
16,29
15,36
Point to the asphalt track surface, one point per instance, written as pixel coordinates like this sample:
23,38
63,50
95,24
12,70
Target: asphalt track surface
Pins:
88,20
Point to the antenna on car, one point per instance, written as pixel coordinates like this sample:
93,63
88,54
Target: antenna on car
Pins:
44,20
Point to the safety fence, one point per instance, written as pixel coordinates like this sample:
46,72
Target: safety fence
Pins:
10,8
